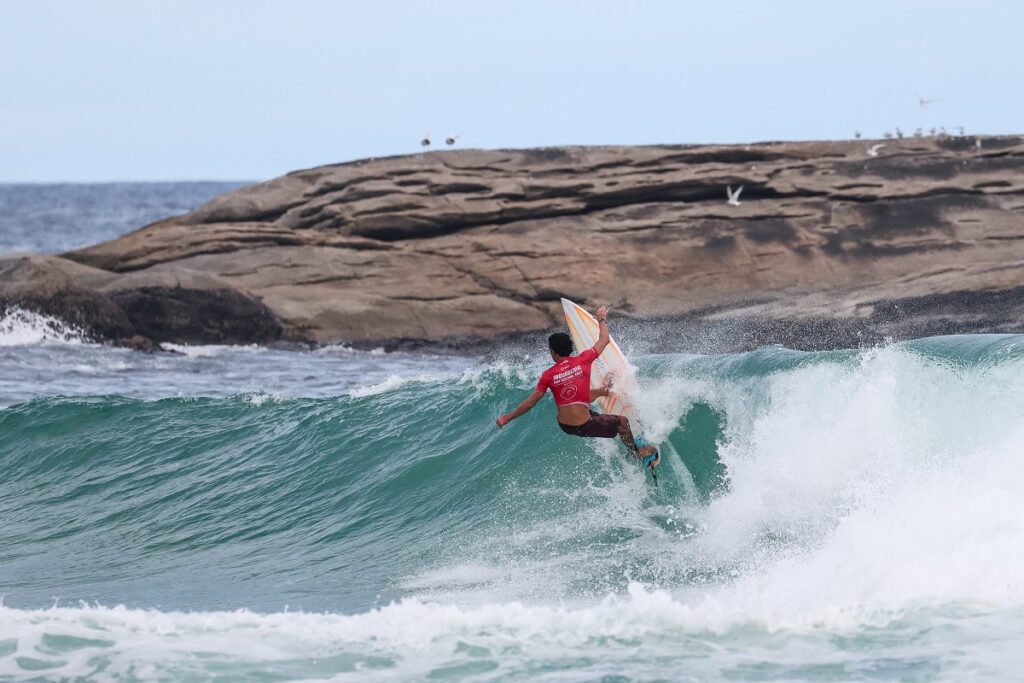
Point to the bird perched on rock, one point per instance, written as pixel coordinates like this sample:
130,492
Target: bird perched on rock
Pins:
733,197
426,140
873,149
450,140
856,134
887,135
899,133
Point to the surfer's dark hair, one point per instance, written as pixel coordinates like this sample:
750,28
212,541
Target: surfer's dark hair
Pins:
560,343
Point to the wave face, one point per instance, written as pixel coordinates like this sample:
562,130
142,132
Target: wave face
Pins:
849,514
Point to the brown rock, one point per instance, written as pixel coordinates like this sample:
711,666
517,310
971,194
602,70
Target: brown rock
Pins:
62,288
192,307
176,305
828,243
139,343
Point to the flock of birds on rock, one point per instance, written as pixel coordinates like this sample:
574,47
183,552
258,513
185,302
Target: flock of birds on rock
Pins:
897,133
450,140
918,133
733,198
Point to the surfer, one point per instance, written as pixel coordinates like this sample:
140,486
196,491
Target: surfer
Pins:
569,381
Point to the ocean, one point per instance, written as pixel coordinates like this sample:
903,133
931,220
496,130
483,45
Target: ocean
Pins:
253,513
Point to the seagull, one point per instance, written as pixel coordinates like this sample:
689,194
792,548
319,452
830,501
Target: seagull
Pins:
426,141
856,134
931,131
873,149
925,102
450,140
899,133
961,130
918,132
887,135
734,198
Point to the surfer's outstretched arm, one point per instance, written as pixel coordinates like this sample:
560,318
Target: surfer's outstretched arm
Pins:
521,409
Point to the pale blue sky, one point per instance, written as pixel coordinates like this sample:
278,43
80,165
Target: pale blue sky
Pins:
222,89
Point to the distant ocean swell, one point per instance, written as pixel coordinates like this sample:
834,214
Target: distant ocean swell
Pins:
864,505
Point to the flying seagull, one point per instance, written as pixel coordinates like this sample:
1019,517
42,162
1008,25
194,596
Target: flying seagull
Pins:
450,140
734,198
925,102
873,149
426,140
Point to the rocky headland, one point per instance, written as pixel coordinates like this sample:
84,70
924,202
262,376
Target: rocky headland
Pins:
830,245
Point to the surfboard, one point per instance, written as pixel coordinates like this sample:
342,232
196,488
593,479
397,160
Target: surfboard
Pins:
584,332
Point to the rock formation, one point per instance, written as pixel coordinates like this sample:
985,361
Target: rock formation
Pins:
828,247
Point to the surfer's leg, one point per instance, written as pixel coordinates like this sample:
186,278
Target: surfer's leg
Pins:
626,434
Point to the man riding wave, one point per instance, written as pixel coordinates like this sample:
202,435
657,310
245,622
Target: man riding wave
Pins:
569,381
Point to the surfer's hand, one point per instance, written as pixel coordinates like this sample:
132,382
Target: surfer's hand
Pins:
601,313
502,421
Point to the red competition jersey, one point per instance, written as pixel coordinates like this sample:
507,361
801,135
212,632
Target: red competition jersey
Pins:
569,379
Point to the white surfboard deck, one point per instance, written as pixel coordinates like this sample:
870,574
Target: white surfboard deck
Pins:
584,332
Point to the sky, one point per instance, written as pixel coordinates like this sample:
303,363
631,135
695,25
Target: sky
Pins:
94,90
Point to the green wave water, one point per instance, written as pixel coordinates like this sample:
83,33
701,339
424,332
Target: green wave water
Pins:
853,514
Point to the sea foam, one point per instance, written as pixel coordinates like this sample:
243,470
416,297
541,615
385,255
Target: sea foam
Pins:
20,327
412,639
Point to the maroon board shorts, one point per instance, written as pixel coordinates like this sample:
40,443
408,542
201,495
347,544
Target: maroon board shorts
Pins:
601,426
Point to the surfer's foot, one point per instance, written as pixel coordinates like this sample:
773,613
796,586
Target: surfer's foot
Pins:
652,460
649,455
